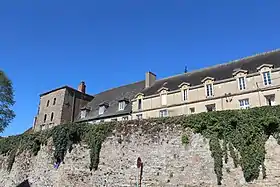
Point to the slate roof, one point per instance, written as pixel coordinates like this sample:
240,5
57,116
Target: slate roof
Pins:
78,93
112,98
218,72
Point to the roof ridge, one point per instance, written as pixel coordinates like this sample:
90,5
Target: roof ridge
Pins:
218,65
124,85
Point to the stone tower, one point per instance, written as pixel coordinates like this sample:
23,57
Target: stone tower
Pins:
60,106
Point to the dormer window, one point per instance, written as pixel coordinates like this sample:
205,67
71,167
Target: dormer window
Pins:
208,83
267,78
139,104
122,103
102,108
241,83
209,90
163,95
240,76
265,71
139,99
84,112
184,90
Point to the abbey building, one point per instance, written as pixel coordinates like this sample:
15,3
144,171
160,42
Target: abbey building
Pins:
249,82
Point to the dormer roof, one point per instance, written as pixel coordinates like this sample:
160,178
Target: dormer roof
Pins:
218,72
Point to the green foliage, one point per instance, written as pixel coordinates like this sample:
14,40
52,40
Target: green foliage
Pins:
6,101
243,130
185,139
242,133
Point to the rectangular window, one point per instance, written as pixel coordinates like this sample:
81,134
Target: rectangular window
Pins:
210,108
139,104
125,118
101,110
114,119
163,99
184,94
209,90
266,78
192,110
139,116
122,105
244,103
270,100
163,113
241,81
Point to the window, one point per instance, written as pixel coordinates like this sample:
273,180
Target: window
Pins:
101,110
122,105
244,103
139,116
114,119
209,90
45,118
241,82
125,118
210,108
139,104
163,97
184,94
270,100
192,110
163,113
266,78
102,120
48,103
52,116
54,101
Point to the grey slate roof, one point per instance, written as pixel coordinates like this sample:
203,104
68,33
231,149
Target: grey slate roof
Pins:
112,98
218,72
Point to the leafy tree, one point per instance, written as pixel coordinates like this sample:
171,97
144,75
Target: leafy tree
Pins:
6,101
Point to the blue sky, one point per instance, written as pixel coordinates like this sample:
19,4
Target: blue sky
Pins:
47,44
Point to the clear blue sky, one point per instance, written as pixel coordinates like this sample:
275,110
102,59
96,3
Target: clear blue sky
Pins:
47,44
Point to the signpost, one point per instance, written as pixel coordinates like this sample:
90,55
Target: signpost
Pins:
139,166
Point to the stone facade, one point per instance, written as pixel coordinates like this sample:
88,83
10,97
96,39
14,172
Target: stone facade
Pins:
197,100
166,163
59,106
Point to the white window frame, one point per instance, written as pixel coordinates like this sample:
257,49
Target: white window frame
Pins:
163,113
266,78
185,94
122,105
244,103
242,84
211,91
101,110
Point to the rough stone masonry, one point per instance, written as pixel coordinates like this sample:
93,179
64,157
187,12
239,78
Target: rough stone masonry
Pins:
166,162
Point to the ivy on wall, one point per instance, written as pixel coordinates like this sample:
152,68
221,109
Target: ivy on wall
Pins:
240,134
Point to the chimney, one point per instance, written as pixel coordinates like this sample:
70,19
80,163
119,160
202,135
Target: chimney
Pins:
150,79
82,87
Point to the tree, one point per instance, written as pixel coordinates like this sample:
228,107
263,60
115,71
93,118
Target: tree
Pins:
6,101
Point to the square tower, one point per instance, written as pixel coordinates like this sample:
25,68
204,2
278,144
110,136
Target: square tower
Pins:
60,106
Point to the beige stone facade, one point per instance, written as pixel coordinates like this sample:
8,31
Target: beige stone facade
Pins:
226,94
